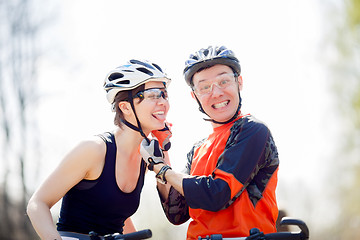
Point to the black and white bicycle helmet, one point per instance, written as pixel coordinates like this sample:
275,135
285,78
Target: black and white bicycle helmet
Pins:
207,57
128,77
132,75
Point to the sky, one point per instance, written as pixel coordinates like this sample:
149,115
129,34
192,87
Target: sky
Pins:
277,42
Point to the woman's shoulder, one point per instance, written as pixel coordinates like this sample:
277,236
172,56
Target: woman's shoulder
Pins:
93,147
90,154
93,142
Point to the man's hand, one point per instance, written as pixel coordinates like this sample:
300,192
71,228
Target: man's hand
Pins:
151,153
163,136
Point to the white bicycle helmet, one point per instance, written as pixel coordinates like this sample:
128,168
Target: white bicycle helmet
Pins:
207,57
132,75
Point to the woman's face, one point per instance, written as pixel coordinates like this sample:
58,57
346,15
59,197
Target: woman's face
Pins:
153,106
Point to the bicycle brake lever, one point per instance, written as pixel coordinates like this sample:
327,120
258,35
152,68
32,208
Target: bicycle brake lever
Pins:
94,236
304,230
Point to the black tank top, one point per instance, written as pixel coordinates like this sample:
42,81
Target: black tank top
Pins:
99,205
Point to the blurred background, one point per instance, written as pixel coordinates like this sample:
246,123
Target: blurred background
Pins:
300,64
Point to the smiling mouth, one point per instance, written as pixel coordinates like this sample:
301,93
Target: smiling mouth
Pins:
159,115
220,105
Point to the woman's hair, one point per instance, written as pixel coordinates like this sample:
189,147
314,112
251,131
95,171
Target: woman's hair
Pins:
124,96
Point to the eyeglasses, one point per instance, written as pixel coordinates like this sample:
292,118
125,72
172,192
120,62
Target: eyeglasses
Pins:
222,81
152,94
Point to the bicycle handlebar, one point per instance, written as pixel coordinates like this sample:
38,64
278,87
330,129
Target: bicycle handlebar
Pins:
255,233
142,234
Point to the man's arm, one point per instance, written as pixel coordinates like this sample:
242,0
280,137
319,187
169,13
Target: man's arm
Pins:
172,196
173,201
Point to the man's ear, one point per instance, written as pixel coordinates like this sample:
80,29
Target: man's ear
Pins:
240,81
193,95
125,107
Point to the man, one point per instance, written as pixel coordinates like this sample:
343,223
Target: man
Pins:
229,184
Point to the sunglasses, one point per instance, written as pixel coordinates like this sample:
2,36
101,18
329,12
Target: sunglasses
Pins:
222,81
152,94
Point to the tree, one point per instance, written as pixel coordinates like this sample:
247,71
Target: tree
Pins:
18,59
344,62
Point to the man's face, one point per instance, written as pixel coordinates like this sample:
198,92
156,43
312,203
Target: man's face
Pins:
218,91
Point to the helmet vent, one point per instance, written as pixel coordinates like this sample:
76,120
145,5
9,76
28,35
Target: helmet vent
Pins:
206,52
123,82
115,76
158,67
144,70
134,61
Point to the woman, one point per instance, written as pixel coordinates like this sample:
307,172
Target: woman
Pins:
100,180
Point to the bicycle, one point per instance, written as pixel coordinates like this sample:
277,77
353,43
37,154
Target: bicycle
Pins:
142,234
255,233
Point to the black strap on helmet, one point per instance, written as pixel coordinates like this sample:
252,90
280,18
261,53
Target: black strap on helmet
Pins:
138,129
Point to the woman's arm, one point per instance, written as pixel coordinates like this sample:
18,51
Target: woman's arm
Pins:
84,161
129,226
41,219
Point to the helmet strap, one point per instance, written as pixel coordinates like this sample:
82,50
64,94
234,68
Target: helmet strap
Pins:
133,127
139,129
